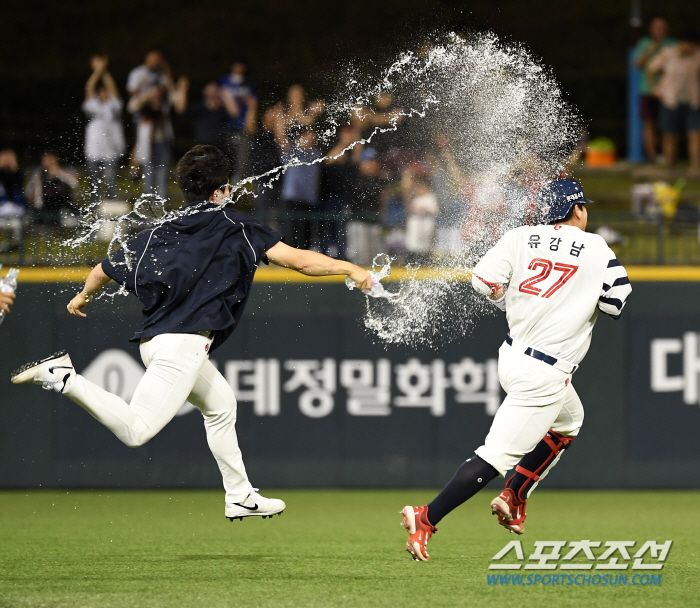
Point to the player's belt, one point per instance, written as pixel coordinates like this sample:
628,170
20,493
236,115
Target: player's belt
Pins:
567,368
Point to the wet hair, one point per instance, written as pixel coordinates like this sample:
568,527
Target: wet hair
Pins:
202,171
568,216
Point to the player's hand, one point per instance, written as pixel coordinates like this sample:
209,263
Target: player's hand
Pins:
6,300
497,292
362,277
76,305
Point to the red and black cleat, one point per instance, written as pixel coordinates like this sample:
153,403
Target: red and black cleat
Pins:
510,511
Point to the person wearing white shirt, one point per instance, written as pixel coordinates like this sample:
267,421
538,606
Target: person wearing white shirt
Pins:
551,280
104,134
152,96
421,209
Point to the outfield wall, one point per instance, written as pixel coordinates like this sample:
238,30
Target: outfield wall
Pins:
322,405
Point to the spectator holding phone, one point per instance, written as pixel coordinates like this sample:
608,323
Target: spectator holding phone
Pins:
153,95
297,112
104,134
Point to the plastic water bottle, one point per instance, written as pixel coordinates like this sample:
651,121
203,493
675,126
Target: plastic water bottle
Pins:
8,285
377,290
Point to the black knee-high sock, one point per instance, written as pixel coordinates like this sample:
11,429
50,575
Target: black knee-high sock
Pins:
470,477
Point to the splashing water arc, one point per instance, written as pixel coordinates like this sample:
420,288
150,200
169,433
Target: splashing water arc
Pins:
503,129
509,131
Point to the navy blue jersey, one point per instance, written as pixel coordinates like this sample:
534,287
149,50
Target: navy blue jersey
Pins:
193,273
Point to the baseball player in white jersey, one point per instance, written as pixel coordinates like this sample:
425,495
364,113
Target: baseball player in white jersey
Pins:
551,281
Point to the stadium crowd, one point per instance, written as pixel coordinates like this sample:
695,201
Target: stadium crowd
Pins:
393,195
669,89
383,196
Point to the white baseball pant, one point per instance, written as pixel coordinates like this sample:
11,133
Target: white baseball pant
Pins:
177,370
539,398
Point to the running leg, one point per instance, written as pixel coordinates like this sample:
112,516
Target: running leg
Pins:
173,363
214,396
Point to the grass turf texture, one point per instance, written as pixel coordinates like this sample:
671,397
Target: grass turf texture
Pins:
330,548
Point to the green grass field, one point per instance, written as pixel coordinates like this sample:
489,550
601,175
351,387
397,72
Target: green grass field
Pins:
330,548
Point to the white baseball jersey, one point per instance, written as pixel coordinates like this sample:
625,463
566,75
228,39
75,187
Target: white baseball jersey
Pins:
558,278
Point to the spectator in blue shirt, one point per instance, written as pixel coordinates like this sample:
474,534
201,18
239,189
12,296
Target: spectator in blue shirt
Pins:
12,202
647,49
11,184
240,96
300,183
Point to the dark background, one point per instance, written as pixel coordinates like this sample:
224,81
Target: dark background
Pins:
46,46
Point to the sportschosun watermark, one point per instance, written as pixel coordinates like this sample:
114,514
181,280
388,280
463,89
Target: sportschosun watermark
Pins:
617,557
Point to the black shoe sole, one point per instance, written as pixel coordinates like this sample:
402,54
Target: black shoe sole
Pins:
31,364
240,517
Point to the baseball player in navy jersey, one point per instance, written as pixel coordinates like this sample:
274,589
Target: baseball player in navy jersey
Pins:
551,281
193,275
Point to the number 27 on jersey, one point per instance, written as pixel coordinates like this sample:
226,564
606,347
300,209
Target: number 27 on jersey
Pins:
546,267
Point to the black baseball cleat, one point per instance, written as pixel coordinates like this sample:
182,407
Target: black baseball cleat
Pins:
54,373
254,506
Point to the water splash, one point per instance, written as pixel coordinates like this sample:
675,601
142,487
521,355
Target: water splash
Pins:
502,129
377,290
493,125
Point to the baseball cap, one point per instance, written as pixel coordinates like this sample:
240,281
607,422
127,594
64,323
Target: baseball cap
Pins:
558,196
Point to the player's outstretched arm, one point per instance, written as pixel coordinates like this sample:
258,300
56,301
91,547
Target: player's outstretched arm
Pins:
96,280
317,264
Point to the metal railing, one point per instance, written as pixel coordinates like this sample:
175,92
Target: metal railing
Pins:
648,241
